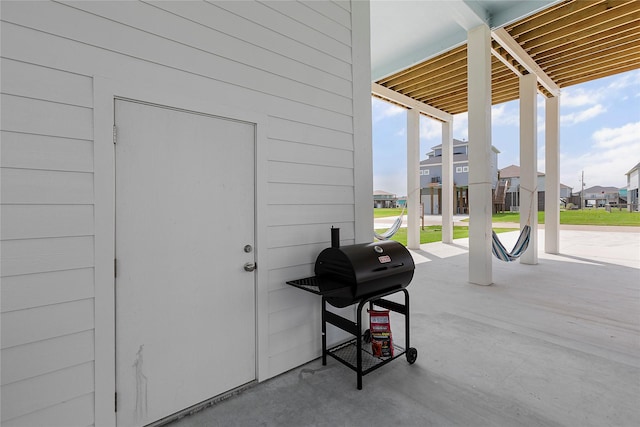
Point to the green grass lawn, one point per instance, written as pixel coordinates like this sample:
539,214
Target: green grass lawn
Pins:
575,217
582,217
385,212
433,233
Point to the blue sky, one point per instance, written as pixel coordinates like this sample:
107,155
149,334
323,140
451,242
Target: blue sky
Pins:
599,134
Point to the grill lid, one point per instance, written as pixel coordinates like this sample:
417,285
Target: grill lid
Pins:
349,273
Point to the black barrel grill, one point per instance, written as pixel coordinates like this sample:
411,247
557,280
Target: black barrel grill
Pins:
360,274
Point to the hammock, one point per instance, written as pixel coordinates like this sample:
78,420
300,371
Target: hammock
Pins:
521,245
391,231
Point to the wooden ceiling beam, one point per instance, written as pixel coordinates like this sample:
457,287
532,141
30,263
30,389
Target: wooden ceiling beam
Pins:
428,110
571,42
523,58
427,80
582,29
455,82
444,86
439,82
558,47
453,74
549,14
451,96
598,66
508,61
601,59
590,51
441,70
582,78
570,16
426,67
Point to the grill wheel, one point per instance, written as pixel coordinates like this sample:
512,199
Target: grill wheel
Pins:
412,355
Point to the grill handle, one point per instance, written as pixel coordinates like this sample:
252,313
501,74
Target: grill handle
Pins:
385,267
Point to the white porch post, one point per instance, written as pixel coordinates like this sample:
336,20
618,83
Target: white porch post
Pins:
413,179
479,106
447,182
529,164
552,176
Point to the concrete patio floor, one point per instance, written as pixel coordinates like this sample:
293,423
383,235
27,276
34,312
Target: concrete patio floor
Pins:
554,344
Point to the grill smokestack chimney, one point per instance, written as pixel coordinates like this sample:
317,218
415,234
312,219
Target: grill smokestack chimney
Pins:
335,237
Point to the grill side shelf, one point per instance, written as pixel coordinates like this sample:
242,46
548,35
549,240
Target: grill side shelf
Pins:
309,284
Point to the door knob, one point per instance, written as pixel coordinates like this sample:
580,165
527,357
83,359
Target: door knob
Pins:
250,266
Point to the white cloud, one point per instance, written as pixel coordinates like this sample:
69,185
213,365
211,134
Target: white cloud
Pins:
612,138
625,80
430,129
503,116
579,97
382,109
613,153
461,126
582,116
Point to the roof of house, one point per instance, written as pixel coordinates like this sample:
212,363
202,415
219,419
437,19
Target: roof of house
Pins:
458,143
635,168
437,160
600,189
512,171
383,193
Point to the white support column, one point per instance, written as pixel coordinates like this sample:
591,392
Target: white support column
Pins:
413,179
529,164
447,182
363,148
552,176
480,206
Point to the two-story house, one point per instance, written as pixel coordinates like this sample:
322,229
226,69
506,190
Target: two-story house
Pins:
383,199
598,196
510,176
431,177
633,183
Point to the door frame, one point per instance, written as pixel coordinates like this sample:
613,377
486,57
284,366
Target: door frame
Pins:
105,92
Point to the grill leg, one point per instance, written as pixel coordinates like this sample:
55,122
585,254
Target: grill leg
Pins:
324,333
406,319
359,344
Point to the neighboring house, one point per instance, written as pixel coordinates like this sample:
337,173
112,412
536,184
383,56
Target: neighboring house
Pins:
382,199
431,177
236,128
633,183
510,175
599,197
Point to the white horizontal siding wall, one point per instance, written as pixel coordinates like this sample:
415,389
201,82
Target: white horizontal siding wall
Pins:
291,61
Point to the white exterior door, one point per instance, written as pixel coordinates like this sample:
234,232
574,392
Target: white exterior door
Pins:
185,227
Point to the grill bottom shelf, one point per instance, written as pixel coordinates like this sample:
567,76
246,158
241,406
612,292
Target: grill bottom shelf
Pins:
347,353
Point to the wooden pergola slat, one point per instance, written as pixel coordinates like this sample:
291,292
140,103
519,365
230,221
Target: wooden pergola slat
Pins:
572,42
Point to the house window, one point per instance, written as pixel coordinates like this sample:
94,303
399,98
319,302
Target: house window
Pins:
458,169
465,169
426,172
